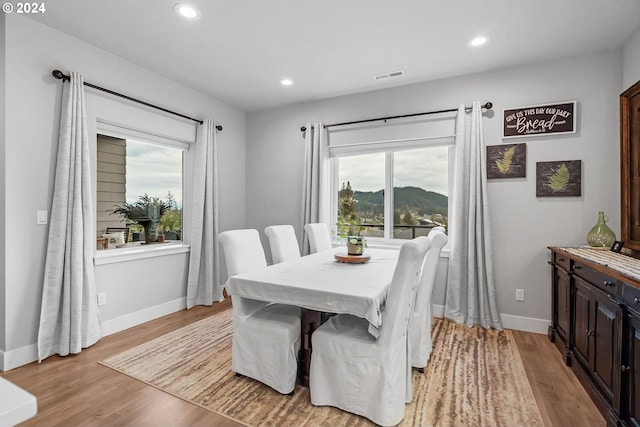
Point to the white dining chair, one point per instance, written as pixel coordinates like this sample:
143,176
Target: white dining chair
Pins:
354,371
266,337
283,243
421,317
319,237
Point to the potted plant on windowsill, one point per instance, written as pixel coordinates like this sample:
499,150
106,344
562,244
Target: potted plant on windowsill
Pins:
351,230
146,211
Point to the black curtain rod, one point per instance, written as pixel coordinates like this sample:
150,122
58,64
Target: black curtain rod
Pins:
61,76
487,106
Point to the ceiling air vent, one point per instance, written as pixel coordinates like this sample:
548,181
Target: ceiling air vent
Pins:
389,75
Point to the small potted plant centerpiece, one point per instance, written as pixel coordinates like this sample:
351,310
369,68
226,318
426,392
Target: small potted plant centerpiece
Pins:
351,229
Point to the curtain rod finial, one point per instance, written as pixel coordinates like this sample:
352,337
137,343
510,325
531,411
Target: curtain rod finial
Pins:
59,75
488,105
303,129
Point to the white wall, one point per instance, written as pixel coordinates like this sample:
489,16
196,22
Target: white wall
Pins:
148,286
2,181
631,61
523,225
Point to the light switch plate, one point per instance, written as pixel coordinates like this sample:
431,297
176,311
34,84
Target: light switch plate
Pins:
41,217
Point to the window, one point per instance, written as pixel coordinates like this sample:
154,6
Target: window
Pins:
399,193
420,191
396,188
138,178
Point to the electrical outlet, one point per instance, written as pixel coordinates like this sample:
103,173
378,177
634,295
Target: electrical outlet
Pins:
102,298
519,294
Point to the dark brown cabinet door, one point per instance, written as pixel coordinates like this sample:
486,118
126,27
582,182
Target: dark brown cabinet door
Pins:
596,345
581,332
607,319
632,370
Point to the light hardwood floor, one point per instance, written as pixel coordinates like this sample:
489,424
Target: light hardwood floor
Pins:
77,391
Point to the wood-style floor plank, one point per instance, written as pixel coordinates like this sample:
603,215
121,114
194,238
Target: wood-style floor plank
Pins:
77,391
560,396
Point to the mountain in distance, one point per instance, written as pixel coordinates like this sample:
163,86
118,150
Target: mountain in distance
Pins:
415,199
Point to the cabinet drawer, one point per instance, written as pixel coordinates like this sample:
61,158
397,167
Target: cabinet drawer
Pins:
562,261
631,297
606,283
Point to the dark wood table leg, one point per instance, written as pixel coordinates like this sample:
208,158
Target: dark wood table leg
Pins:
309,322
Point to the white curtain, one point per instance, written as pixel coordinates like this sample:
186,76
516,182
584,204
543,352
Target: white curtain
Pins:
471,294
315,181
203,284
69,315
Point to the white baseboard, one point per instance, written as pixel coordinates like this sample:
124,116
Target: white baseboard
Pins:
18,357
139,317
526,324
509,321
27,354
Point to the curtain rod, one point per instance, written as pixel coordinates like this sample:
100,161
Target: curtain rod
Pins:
61,76
487,106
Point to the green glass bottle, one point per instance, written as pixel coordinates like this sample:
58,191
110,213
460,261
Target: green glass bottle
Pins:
600,234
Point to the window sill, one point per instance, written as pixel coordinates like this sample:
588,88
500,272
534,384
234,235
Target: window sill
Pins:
110,256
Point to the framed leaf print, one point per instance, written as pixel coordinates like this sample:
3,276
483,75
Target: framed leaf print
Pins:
559,179
506,161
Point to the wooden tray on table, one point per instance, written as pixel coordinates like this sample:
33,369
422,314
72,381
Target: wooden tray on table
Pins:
353,259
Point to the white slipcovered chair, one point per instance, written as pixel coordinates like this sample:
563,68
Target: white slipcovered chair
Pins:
421,317
319,237
266,337
283,243
354,371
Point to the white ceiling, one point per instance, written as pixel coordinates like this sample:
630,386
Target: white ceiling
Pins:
239,50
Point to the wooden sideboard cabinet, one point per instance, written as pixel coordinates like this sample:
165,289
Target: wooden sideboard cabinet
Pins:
561,313
596,326
632,345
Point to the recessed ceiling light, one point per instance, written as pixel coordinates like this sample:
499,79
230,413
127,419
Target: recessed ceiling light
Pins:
286,82
478,41
187,11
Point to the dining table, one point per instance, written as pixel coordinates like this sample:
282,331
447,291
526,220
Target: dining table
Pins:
322,285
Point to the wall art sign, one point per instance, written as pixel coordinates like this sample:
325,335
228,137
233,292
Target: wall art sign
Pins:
558,179
506,161
539,120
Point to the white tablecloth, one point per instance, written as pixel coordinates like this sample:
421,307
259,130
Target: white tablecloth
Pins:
319,282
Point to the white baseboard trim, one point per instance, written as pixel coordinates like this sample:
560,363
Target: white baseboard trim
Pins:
27,354
526,324
18,357
139,317
509,321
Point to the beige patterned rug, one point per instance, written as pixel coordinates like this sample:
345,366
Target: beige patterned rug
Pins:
475,377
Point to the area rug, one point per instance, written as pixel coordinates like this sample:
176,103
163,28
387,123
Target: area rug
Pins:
475,377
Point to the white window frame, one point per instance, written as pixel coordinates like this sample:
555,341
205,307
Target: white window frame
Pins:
388,147
111,256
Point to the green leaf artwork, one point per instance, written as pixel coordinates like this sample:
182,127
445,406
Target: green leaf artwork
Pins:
504,163
559,179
